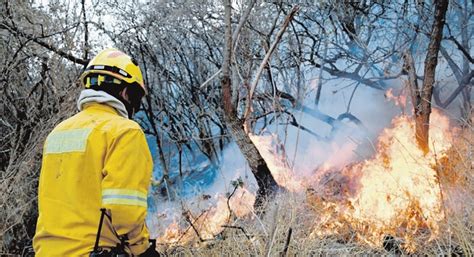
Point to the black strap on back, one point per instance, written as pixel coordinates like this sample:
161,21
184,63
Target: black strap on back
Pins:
97,238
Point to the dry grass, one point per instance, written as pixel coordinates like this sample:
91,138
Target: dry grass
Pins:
266,236
269,236
18,184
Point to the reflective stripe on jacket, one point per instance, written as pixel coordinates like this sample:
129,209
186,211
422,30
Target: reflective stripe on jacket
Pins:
95,159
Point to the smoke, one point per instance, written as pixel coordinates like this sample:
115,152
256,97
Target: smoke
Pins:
338,145
233,167
291,153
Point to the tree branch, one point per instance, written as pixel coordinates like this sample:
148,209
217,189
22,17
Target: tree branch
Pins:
278,37
466,80
48,46
234,40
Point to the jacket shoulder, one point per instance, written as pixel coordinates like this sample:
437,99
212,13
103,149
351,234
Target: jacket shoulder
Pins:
69,123
111,124
120,125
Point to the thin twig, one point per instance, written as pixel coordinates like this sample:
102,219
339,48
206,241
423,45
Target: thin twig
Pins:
235,35
278,37
86,31
273,231
239,228
287,243
194,228
228,202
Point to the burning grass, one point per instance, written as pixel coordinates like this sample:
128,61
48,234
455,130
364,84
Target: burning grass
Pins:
268,236
396,193
400,200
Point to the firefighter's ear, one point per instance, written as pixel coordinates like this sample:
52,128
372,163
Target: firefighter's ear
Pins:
124,94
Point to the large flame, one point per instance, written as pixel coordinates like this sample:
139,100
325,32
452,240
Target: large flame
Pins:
396,193
275,156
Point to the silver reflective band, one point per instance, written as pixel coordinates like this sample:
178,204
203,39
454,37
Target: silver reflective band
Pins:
123,73
124,197
66,141
99,67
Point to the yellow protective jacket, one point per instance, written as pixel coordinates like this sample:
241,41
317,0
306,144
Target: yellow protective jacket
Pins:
95,159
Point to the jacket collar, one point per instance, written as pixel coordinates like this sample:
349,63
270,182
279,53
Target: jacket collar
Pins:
88,96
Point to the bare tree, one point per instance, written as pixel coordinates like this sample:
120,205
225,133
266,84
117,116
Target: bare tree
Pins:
188,112
266,182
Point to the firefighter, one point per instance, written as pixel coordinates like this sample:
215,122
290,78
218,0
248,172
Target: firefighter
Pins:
96,159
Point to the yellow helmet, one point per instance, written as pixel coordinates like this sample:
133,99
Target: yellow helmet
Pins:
116,64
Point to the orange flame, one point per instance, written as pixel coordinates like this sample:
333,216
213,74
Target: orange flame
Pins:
395,193
399,100
209,223
275,157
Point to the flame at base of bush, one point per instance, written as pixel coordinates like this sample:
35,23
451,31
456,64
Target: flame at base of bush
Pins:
396,193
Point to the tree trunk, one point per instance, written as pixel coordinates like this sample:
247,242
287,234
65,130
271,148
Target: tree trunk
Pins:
422,98
266,182
267,185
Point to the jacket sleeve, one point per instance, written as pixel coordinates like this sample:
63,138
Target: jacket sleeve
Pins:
127,173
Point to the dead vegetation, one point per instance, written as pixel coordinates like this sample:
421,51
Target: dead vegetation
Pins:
290,220
44,49
18,184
